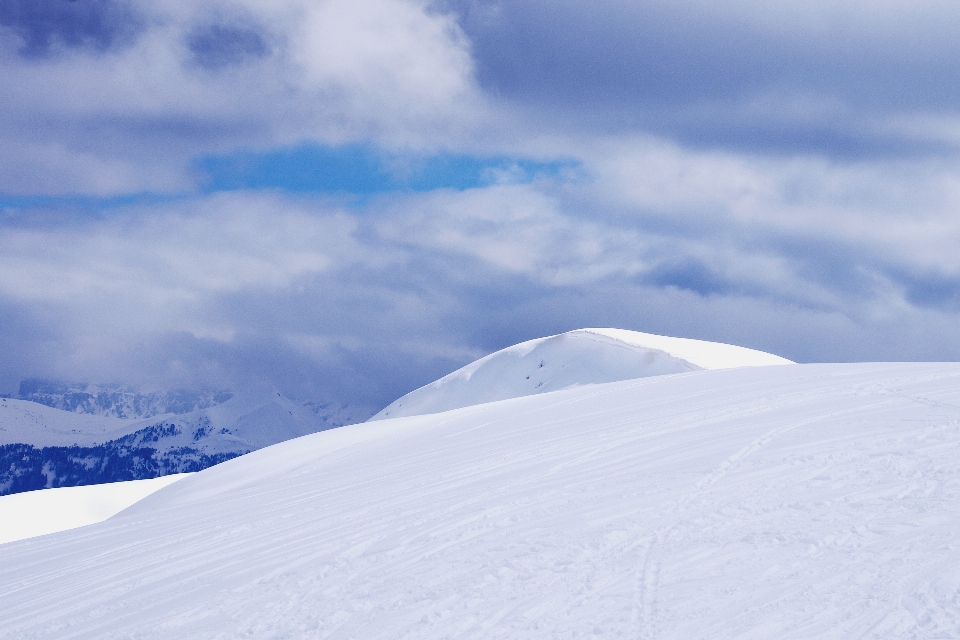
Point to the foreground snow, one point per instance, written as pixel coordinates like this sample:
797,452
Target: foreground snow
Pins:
36,513
584,356
777,502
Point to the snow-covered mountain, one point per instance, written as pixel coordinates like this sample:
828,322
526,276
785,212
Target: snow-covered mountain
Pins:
23,421
777,502
56,434
584,356
41,447
116,401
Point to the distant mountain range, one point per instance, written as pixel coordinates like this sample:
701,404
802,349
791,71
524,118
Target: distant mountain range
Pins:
57,434
117,401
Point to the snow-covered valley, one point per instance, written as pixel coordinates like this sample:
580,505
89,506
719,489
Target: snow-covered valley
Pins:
787,501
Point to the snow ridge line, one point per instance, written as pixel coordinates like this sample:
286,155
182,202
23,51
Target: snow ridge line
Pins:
637,382
647,577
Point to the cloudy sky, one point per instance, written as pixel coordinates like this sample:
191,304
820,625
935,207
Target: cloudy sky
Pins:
350,198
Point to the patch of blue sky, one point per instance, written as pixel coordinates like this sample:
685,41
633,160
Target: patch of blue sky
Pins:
13,203
351,170
363,170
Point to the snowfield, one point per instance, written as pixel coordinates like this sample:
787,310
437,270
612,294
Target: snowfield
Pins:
35,513
767,502
583,356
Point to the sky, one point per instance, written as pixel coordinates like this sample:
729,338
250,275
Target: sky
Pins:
348,199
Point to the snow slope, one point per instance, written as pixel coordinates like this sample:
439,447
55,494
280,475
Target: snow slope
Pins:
584,356
779,502
36,513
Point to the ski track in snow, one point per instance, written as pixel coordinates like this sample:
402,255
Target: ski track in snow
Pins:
649,569
789,502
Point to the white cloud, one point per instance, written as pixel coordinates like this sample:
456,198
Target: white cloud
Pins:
391,59
131,118
517,229
240,285
898,210
156,269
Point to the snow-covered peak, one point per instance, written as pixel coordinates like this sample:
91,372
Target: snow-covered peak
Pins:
117,401
583,356
257,417
23,421
702,353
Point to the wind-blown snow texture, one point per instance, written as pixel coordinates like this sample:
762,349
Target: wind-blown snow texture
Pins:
776,502
583,356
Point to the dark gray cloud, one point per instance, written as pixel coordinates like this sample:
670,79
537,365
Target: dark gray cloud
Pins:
779,79
690,275
48,26
368,376
930,290
216,46
30,342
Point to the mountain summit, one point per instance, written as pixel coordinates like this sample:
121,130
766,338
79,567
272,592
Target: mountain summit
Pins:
583,356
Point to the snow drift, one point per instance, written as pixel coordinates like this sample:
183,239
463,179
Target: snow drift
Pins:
584,356
787,502
35,513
